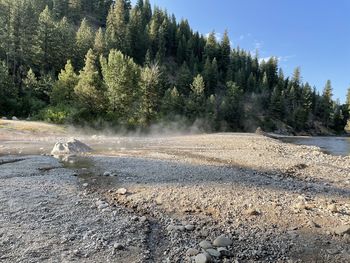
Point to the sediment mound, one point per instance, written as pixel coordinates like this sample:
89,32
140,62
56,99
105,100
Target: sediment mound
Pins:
72,146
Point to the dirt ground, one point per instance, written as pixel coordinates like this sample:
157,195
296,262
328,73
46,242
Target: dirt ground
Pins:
157,198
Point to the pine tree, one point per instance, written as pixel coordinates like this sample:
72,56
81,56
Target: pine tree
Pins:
63,89
196,101
276,103
66,41
225,52
84,41
121,75
117,26
88,89
211,46
231,108
327,103
149,85
183,79
47,41
138,36
33,94
172,104
99,43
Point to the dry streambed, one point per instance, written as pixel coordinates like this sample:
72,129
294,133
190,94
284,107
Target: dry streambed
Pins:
207,198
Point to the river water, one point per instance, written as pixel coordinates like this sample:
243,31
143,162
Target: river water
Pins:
331,145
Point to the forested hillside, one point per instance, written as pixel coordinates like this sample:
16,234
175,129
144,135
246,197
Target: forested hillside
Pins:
78,61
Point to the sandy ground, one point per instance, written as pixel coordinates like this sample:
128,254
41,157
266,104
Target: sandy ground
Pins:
276,202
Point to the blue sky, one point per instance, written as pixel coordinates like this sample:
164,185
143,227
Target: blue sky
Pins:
312,34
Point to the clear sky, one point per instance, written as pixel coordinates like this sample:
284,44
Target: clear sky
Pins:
312,34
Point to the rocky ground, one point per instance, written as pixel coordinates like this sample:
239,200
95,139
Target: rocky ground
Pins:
195,198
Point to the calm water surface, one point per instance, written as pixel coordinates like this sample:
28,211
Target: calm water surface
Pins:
331,145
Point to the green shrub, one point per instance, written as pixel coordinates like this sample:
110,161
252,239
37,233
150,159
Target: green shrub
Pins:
56,114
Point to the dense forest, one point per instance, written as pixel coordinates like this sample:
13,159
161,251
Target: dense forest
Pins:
104,61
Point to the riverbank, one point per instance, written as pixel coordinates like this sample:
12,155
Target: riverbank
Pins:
275,202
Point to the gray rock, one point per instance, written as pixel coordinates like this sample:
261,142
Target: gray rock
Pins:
222,241
4,118
118,246
102,206
85,185
224,252
205,244
192,252
14,118
341,230
106,174
72,146
170,228
122,191
202,258
189,227
213,252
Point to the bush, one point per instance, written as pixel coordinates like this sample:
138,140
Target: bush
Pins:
57,114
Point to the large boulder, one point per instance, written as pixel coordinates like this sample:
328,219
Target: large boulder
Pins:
72,146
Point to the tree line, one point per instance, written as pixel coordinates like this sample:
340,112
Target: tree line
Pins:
133,66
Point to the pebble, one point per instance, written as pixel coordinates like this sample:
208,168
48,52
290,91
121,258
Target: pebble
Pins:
313,224
189,227
192,252
213,252
333,208
341,230
205,244
122,191
118,246
252,212
202,258
85,185
143,219
222,241
106,174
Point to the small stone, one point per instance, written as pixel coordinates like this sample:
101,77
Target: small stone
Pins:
143,219
85,185
102,206
300,205
192,252
204,233
332,251
202,258
224,252
106,174
122,191
118,246
222,241
252,212
333,208
213,252
189,227
312,224
180,228
341,230
170,228
205,244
